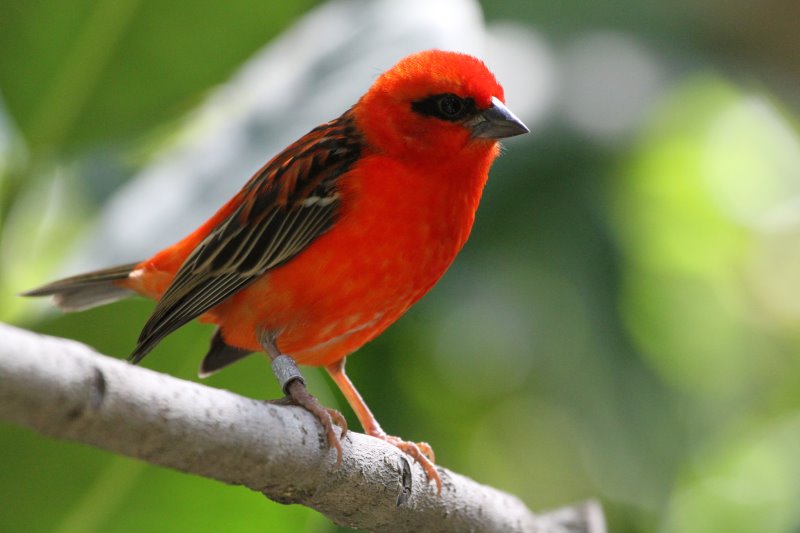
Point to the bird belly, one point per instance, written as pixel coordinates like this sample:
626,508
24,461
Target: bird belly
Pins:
385,251
317,322
351,283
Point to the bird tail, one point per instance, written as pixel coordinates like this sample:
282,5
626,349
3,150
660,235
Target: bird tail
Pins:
88,290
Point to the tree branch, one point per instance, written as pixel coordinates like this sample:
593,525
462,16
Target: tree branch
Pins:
66,390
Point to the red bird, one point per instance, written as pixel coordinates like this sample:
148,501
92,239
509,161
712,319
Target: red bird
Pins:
334,238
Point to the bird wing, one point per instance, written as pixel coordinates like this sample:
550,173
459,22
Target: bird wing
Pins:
287,204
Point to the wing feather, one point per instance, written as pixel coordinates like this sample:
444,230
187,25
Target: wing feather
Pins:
290,202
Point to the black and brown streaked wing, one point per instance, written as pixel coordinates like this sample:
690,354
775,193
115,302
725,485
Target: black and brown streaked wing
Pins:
290,202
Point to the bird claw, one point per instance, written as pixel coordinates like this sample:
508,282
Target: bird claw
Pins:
426,449
422,453
298,395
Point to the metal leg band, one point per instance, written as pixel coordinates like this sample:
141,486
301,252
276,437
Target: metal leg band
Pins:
286,371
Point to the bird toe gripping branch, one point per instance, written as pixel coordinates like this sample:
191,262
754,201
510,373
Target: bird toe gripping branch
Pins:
294,387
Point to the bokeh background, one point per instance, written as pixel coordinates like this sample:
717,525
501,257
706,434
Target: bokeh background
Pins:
624,323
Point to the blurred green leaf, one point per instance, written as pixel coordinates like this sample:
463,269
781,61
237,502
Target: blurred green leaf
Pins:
746,481
85,70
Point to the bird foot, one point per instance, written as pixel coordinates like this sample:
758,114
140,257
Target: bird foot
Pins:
297,394
421,452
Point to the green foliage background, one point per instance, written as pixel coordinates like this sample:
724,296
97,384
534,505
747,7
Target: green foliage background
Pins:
622,325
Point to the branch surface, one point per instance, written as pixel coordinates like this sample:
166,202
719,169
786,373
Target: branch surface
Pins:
64,389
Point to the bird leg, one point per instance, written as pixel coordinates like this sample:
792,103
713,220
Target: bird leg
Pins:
294,387
420,451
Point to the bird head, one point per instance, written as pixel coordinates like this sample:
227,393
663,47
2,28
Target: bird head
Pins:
436,102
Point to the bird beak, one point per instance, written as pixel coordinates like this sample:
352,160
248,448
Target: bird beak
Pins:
497,122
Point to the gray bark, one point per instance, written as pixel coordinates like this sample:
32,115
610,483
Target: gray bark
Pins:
64,389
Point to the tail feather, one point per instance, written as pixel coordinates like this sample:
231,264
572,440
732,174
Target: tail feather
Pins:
87,290
220,355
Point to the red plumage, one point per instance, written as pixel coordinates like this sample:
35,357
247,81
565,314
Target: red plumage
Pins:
338,235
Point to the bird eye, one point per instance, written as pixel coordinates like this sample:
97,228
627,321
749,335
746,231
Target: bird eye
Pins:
446,106
450,105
